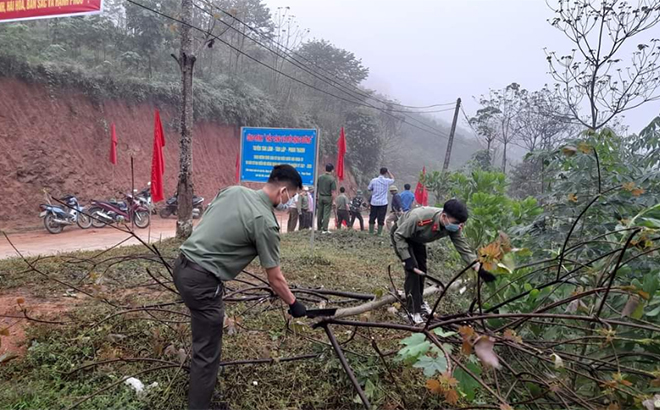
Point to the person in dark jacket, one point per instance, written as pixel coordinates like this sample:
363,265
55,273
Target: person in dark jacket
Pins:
396,207
357,204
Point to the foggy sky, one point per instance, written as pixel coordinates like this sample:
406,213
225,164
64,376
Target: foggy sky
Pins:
423,52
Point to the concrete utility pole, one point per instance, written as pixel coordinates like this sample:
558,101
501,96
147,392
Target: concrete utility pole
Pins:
451,136
186,62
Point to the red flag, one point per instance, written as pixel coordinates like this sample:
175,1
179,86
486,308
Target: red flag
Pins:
238,168
341,150
113,145
157,161
421,193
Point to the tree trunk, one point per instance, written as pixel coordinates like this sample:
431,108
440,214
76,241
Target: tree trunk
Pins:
504,158
185,187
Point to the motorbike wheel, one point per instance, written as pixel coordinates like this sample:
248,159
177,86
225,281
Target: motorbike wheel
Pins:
199,213
97,222
52,226
165,212
142,219
84,221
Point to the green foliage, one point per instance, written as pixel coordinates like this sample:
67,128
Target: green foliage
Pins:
599,192
419,353
467,383
481,161
485,194
334,61
415,346
364,145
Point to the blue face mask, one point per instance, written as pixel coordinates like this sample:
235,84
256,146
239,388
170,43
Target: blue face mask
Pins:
451,227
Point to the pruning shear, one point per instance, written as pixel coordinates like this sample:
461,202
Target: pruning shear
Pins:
312,313
429,277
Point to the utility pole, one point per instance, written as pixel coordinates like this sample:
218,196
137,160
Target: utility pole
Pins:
186,62
451,136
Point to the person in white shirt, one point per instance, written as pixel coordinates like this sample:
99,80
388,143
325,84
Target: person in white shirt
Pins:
378,188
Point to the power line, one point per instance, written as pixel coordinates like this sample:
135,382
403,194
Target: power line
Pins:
321,77
283,47
206,32
469,123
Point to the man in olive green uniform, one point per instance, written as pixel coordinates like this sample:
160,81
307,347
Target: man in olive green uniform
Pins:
342,205
326,187
415,229
238,226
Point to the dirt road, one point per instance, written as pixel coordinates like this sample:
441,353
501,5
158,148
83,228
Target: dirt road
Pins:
73,239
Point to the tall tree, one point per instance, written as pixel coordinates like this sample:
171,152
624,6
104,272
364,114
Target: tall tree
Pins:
334,61
500,109
185,186
542,120
593,74
486,128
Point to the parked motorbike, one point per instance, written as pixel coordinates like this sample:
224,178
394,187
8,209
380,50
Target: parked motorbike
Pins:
172,204
56,217
144,197
108,212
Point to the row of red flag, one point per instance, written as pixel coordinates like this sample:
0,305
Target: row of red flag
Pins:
157,159
158,162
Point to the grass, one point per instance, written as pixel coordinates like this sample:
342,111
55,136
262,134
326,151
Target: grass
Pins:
350,261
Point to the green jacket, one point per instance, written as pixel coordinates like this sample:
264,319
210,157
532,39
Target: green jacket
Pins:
422,225
303,202
342,202
326,184
238,226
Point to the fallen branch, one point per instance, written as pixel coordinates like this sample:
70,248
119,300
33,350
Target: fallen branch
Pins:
375,304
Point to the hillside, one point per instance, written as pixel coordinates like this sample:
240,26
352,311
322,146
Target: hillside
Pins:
62,144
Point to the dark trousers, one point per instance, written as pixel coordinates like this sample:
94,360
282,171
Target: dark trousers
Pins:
342,215
308,219
377,212
302,220
358,216
201,291
324,210
293,220
414,284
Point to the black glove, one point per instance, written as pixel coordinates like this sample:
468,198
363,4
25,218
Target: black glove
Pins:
485,275
297,309
409,264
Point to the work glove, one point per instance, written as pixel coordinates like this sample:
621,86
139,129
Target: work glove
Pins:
409,264
297,309
485,275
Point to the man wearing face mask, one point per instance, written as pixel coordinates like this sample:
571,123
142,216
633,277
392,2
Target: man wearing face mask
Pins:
410,235
238,226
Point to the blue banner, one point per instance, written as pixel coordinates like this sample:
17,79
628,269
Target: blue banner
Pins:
263,148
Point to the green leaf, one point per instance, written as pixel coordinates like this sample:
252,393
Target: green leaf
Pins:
650,223
651,283
416,345
432,365
466,383
654,312
438,331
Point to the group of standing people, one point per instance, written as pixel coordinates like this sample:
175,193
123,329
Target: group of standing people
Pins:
348,210
301,210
